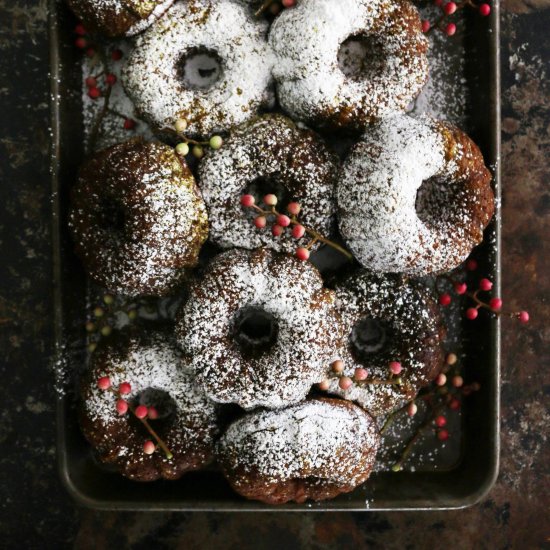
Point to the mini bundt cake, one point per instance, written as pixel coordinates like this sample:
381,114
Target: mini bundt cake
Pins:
158,377
386,320
137,218
206,62
119,17
414,197
314,450
268,155
347,63
259,328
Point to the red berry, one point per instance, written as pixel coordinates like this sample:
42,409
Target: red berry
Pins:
80,29
395,367
472,313
141,411
270,200
443,435
471,265
94,93
129,124
153,413
149,447
324,385
260,222
438,3
90,52
338,366
440,421
457,381
283,221
523,317
122,406
361,374
110,79
484,10
441,379
288,3
444,299
116,55
485,285
450,29
298,231
345,382
124,388
104,383
247,200
449,8
495,304
412,409
91,82
277,230
293,208
460,288
426,25
81,42
302,254
454,405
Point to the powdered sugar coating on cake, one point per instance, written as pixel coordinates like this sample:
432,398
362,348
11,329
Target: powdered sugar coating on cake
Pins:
315,449
119,17
300,335
386,318
137,218
311,67
222,30
295,161
390,221
187,424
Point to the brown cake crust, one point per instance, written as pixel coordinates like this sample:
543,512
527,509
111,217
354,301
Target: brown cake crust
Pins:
187,425
137,218
314,450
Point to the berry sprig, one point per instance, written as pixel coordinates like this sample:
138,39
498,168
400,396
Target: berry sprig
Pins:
102,319
361,377
493,304
441,399
183,147
449,8
141,412
274,6
280,222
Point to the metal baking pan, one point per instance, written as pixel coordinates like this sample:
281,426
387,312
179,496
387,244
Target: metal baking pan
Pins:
460,484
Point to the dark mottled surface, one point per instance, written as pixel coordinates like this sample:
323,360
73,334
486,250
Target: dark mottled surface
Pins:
36,512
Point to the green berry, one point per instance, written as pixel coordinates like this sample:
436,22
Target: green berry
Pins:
396,468
182,149
106,330
180,125
198,151
99,312
132,314
216,142
108,299
90,327
92,347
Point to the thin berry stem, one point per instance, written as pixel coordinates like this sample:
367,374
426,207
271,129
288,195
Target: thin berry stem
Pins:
265,6
98,121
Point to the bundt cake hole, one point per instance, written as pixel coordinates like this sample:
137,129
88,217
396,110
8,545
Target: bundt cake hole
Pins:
435,201
200,69
111,216
361,57
159,399
254,330
269,184
368,336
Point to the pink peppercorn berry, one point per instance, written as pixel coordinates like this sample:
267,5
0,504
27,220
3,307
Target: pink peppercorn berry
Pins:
450,29
441,379
277,230
412,409
443,435
283,221
116,55
94,92
80,29
270,200
298,231
153,414
450,8
457,381
485,285
484,10
104,383
247,200
440,421
260,222
293,208
122,406
141,411
345,382
426,25
302,254
361,374
129,124
395,367
495,304
471,265
472,313
288,3
110,79
454,405
149,447
523,317
460,288
338,366
81,43
444,300
324,385
124,388
91,82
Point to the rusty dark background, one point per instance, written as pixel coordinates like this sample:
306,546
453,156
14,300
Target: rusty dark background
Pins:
35,512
